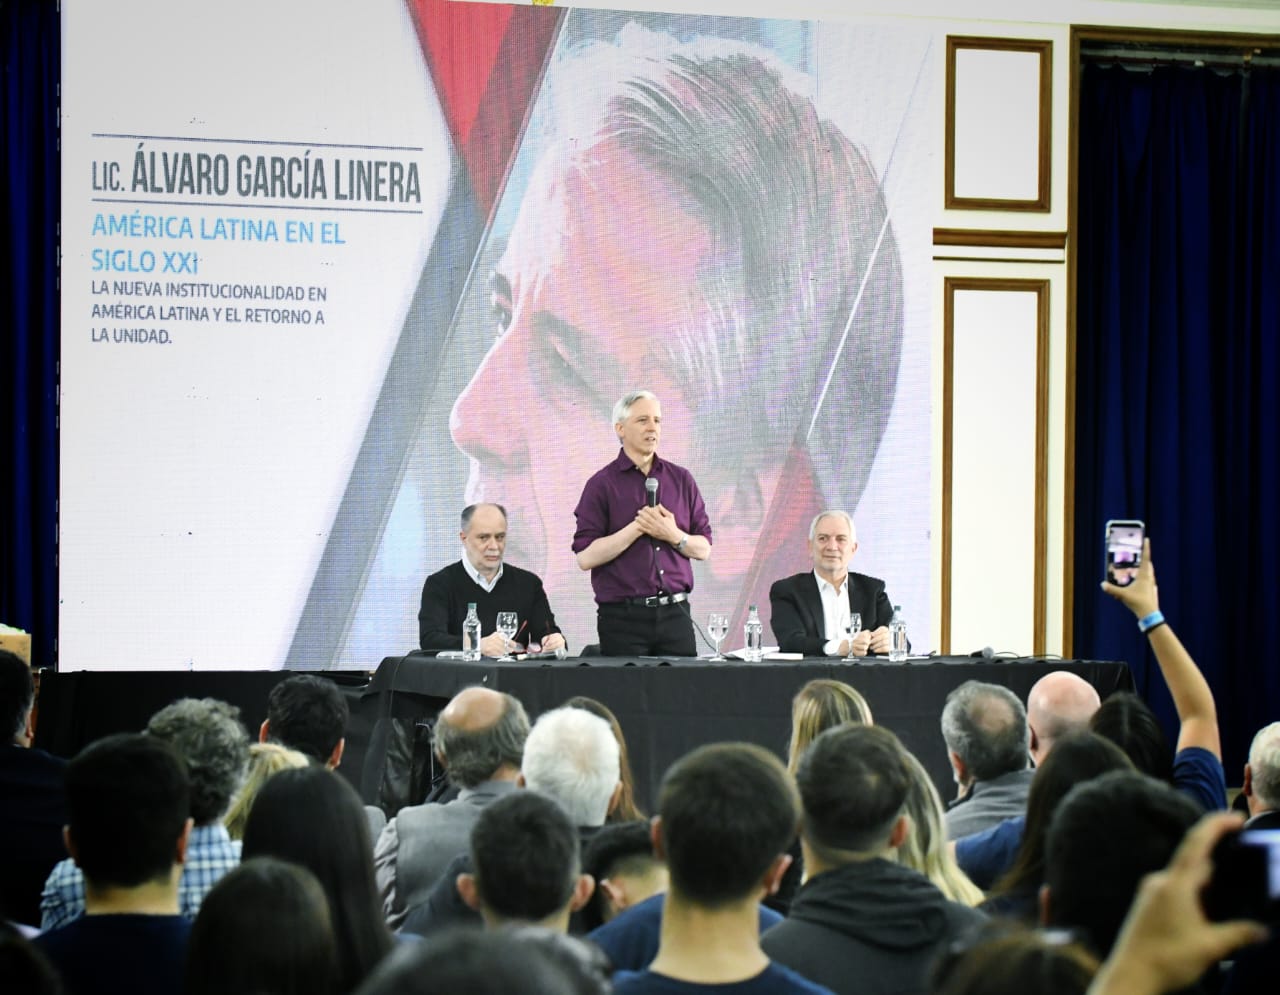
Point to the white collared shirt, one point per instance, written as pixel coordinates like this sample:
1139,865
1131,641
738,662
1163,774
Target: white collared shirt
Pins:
479,578
835,612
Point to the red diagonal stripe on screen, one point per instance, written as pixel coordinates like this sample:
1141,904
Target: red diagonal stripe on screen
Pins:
486,61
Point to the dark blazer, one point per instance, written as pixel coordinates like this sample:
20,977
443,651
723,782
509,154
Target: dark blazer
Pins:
1269,819
35,811
797,618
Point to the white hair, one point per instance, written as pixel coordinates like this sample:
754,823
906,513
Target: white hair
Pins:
833,513
623,408
1264,765
571,756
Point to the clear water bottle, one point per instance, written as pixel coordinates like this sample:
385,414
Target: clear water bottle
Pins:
471,634
753,633
897,636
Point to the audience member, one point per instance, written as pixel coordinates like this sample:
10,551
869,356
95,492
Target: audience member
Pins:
1197,762
1005,961
1262,779
22,966
480,739
265,929
627,810
820,705
265,759
128,805
862,923
588,967
308,714
1059,703
925,848
479,963
526,864
726,815
31,797
1166,943
570,757
312,817
1104,836
985,729
1013,867
621,861
1127,721
207,735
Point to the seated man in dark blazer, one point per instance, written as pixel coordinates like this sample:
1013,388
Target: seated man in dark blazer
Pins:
810,609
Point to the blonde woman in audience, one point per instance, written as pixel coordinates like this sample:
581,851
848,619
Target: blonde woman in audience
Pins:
925,848
821,705
265,759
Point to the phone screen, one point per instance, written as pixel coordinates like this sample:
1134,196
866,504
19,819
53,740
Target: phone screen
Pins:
1123,549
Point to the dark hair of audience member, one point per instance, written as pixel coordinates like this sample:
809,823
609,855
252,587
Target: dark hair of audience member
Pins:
1002,961
312,817
820,705
207,734
524,849
614,849
1074,759
853,783
728,811
626,810
1104,837
263,928
24,967
586,964
478,962
309,714
17,692
128,798
1127,721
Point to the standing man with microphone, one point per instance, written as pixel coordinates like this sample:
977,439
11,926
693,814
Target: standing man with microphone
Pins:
637,543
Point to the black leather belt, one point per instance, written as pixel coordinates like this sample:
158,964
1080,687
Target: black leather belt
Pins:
658,599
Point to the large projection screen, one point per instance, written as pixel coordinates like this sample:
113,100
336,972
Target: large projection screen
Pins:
331,271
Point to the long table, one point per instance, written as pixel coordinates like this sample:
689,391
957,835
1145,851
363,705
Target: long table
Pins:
668,707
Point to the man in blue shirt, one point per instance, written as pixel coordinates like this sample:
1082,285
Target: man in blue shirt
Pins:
727,814
127,801
207,735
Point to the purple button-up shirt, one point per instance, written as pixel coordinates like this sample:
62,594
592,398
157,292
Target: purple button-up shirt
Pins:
648,566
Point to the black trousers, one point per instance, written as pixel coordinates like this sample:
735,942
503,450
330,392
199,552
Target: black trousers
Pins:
635,630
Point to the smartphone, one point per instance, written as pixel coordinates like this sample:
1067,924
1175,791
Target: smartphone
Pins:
1122,551
1246,877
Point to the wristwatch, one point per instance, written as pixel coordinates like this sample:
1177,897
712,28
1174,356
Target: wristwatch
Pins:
681,544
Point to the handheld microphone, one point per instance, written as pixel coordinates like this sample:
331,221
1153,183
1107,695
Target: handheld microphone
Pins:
651,485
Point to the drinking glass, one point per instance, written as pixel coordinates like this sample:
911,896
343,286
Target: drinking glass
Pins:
717,629
851,629
508,625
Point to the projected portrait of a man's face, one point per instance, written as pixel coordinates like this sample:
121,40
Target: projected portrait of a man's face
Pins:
707,236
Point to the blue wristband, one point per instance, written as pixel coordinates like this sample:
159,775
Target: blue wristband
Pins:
1149,622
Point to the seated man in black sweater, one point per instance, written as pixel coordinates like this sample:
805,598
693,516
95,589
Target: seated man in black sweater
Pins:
481,577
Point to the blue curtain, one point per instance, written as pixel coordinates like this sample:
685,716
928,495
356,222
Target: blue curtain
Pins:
1178,366
29,46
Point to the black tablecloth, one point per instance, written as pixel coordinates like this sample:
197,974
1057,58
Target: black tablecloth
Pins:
667,707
